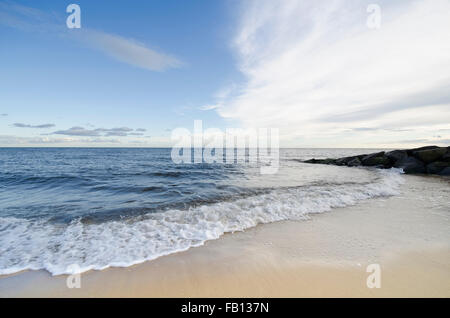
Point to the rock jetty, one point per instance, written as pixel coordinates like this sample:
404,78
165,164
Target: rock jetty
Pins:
424,160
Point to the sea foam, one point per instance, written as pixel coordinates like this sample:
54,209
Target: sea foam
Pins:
39,244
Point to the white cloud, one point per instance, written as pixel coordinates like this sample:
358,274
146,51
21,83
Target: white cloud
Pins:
316,71
210,107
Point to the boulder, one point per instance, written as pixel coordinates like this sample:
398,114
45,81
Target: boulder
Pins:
373,155
429,155
376,159
437,166
354,162
328,161
410,165
445,172
322,161
396,155
344,161
410,151
446,157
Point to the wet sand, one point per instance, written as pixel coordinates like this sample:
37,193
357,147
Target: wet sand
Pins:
407,235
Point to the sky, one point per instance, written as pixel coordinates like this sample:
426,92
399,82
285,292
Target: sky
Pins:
330,73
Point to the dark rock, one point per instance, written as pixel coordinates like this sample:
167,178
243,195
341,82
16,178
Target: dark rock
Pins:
354,162
445,172
410,165
313,160
321,161
424,148
344,161
446,157
437,166
376,159
360,157
429,155
396,155
410,151
430,159
373,155
328,161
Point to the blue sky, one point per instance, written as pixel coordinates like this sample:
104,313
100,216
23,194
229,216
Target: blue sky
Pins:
138,69
49,76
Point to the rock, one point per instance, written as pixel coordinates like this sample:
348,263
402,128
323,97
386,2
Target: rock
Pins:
373,155
410,165
328,161
445,172
410,151
344,161
429,155
396,155
376,159
429,159
354,162
437,166
446,157
322,161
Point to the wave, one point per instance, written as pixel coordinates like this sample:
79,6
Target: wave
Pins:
40,244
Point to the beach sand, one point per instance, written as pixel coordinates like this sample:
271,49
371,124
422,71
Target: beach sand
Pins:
327,256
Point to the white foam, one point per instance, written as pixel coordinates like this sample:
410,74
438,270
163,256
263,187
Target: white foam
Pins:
37,245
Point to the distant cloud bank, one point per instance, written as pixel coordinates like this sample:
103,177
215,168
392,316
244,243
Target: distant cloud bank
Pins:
112,132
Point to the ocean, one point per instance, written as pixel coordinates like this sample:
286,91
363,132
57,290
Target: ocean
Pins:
115,207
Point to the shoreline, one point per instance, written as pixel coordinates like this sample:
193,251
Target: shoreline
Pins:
324,256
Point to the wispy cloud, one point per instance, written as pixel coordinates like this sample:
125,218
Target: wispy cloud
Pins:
210,107
123,49
129,51
20,125
316,71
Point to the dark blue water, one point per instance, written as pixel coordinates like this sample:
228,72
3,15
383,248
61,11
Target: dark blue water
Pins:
103,184
116,207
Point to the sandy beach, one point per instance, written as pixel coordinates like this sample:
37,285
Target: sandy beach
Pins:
325,256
